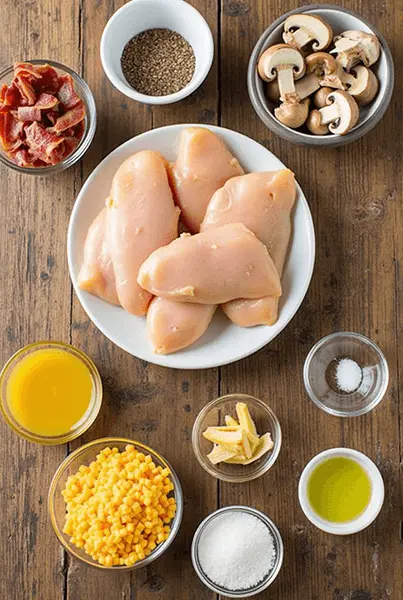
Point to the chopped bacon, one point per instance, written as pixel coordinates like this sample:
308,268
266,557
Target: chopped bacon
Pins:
26,70
50,81
41,141
26,89
41,116
29,113
10,131
12,98
46,101
66,94
70,118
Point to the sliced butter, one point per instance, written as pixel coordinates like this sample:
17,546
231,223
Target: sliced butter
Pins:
265,444
245,420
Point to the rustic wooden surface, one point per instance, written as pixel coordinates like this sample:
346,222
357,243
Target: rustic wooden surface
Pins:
355,198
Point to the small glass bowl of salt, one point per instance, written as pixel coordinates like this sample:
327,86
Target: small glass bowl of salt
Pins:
237,551
346,374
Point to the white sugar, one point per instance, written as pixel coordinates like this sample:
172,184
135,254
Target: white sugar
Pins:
236,551
348,375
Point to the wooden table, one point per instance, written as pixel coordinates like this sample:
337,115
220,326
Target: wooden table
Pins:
355,197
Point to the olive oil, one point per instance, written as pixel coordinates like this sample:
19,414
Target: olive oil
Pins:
339,489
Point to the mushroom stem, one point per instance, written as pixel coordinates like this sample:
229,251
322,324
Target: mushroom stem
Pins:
307,85
300,37
329,113
286,85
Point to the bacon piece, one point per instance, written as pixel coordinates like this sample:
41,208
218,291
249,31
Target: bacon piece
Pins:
66,94
22,157
29,113
46,101
12,98
10,131
26,70
3,91
52,116
57,152
70,118
41,141
50,79
26,90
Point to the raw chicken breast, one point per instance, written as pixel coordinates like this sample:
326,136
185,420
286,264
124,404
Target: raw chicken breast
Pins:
141,217
203,165
96,274
263,202
172,326
212,267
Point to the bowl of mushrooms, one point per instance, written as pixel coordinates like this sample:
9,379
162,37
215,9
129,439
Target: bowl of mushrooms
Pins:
320,75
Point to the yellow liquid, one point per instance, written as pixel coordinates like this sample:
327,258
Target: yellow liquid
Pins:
339,489
49,391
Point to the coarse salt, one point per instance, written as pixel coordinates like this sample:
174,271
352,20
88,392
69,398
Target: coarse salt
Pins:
348,375
236,551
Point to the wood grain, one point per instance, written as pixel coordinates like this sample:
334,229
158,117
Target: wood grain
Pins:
355,198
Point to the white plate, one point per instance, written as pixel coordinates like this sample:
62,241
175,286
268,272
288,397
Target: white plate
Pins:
223,342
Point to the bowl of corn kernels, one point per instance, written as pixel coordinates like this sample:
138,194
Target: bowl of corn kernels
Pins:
115,504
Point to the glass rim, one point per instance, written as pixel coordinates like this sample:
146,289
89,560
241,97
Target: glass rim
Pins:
58,439
239,478
87,137
259,587
178,494
362,339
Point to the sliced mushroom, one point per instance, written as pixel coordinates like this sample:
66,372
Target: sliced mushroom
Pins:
293,115
354,47
340,114
286,63
301,29
320,97
362,84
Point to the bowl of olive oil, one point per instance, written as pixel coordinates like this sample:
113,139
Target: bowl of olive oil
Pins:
341,491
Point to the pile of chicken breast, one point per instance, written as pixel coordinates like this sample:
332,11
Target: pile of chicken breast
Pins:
232,253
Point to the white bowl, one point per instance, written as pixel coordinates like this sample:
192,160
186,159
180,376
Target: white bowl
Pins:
374,506
140,15
341,19
223,342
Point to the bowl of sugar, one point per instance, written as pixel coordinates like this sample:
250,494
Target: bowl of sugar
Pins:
237,551
346,374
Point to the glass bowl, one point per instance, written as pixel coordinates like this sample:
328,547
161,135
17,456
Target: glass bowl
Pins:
319,370
82,425
85,455
270,577
90,121
213,415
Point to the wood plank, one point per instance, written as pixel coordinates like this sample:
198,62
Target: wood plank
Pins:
35,304
352,193
144,402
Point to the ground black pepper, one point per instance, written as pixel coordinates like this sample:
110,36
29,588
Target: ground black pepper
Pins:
158,62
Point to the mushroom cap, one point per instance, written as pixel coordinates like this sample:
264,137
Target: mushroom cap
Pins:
320,31
280,55
348,112
272,91
365,86
320,97
293,115
314,123
320,63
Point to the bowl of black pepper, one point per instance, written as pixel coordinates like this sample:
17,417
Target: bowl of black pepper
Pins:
157,51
